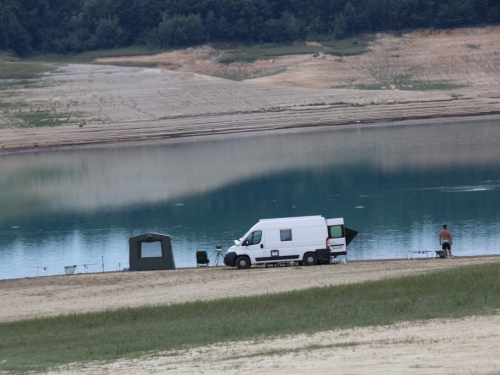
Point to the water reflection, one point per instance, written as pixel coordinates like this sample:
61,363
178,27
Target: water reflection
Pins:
395,184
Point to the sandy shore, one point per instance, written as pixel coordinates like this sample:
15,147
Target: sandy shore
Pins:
459,347
55,295
465,346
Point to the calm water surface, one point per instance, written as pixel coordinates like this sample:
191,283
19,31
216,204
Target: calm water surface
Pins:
397,185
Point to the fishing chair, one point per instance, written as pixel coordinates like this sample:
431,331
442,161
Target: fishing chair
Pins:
202,259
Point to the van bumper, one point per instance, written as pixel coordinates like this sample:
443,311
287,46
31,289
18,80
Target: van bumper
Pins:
230,259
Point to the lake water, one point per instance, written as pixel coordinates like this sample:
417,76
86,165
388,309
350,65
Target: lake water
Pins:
396,184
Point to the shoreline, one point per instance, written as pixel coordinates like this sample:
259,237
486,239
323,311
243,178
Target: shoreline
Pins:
224,267
187,138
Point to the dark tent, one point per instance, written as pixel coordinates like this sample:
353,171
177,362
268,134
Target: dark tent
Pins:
349,235
151,251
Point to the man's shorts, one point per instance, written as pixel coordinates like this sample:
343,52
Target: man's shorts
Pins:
446,246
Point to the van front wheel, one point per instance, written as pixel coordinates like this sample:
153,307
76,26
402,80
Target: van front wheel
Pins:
310,259
242,263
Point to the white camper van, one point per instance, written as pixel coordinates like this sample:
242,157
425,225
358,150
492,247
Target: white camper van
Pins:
308,240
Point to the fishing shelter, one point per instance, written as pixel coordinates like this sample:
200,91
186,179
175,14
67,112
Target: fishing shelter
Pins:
151,251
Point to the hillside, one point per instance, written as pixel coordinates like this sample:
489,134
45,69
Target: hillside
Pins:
417,76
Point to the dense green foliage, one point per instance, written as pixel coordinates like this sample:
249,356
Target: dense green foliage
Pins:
67,26
41,343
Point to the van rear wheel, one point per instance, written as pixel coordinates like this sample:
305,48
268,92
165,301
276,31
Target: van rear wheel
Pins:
310,259
243,263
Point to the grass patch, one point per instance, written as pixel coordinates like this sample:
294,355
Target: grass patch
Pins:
40,118
136,64
249,54
89,56
13,106
408,85
21,70
241,73
403,83
428,86
43,343
374,86
407,80
323,104
346,47
281,352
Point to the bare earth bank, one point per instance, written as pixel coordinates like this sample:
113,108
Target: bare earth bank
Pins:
420,75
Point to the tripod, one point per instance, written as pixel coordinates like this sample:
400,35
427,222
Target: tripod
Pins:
218,255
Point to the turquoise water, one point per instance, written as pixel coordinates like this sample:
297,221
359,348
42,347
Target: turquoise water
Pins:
396,184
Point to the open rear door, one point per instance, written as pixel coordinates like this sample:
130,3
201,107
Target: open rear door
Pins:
349,235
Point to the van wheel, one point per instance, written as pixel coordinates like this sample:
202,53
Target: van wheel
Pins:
243,263
310,259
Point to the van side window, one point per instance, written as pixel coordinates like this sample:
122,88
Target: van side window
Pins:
254,237
286,234
335,231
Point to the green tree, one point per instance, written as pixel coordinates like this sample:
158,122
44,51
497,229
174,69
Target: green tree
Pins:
291,26
340,26
18,38
273,31
351,19
455,14
211,25
4,42
109,33
180,31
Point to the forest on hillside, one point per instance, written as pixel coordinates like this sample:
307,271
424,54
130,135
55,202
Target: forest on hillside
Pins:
71,26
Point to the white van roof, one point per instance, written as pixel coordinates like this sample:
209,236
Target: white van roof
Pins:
290,222
339,221
294,218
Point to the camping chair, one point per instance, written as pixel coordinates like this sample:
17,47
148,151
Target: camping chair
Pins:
202,259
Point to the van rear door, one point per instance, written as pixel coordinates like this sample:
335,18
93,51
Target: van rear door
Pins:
336,239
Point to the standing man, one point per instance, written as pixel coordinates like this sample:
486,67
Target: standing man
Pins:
445,241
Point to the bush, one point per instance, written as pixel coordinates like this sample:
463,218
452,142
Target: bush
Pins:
178,31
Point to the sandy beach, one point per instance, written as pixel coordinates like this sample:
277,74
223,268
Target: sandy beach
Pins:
461,346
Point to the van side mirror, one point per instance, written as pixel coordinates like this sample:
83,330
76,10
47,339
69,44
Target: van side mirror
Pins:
237,243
